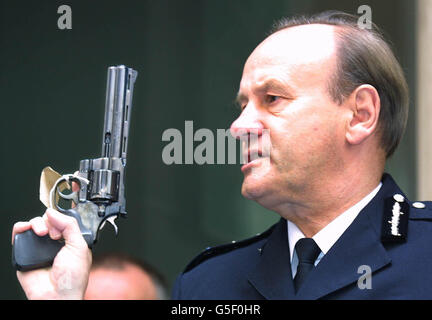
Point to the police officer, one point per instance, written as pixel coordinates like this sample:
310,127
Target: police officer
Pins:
335,101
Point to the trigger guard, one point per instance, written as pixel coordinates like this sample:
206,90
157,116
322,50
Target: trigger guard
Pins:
72,196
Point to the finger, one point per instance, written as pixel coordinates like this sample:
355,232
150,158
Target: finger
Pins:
75,186
53,232
39,226
20,227
67,226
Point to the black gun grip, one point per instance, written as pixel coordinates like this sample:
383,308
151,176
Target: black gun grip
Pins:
30,251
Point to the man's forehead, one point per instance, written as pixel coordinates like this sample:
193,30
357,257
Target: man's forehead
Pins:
305,44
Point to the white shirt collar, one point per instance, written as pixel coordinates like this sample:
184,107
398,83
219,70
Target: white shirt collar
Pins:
327,236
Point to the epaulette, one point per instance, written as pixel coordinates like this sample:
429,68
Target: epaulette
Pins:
211,252
421,210
397,211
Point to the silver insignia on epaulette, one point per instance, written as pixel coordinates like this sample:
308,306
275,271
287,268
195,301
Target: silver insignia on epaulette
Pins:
396,211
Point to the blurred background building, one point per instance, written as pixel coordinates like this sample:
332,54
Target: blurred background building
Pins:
189,55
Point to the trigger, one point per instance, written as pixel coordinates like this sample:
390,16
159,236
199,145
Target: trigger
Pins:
71,196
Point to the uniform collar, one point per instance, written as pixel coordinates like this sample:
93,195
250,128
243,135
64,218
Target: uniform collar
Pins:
359,245
327,236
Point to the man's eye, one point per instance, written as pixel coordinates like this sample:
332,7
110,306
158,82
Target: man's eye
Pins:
271,99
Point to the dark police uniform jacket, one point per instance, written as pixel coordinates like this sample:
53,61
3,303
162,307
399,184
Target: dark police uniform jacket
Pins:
398,258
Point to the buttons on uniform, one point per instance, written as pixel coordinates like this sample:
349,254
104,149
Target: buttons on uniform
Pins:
419,205
398,197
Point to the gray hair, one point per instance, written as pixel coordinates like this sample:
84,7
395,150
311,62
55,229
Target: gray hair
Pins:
364,57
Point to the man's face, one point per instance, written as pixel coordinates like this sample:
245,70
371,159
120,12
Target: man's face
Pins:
130,283
284,89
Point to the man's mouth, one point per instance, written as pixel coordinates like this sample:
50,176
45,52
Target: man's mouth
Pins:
252,155
252,158
255,150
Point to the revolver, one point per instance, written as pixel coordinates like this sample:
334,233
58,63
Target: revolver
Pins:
101,181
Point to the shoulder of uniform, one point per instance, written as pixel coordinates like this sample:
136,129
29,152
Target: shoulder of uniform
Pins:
211,252
421,210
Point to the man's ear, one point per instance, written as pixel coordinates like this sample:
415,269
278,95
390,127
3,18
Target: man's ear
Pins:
365,106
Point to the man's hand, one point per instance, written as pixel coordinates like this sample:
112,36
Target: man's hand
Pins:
68,276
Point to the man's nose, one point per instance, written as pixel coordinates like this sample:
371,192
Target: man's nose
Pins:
247,123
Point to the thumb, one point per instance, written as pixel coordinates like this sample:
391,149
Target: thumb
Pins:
67,226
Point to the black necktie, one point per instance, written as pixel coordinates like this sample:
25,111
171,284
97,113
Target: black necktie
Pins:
307,252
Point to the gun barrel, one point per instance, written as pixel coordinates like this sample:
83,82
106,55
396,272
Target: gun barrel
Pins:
107,174
118,105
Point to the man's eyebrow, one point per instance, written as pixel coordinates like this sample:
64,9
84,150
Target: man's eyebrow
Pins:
267,85
274,85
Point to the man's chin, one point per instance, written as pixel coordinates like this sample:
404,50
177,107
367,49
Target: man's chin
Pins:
252,191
